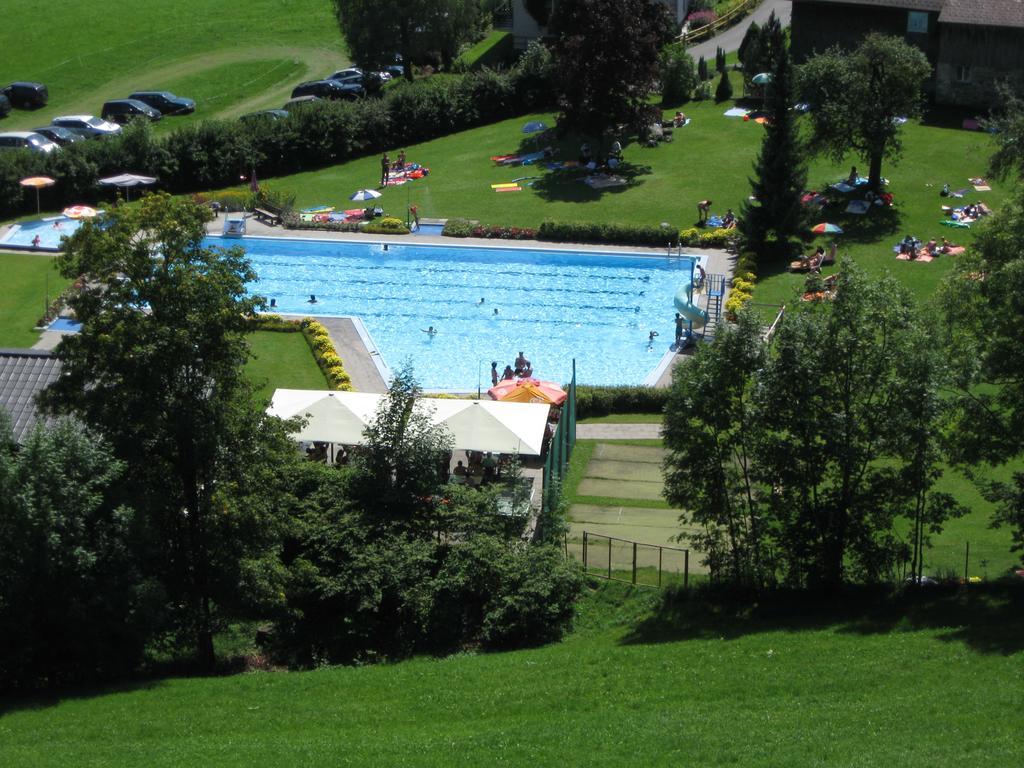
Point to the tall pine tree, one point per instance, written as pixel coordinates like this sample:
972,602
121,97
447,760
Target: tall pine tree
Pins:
776,214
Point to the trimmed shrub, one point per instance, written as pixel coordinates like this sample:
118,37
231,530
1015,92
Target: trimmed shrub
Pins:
602,401
724,90
458,228
496,232
619,234
678,76
388,225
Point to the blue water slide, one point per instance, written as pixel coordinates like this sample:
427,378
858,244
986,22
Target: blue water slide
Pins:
687,307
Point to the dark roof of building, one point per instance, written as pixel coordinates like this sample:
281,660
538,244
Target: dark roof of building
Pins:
907,5
986,13
23,374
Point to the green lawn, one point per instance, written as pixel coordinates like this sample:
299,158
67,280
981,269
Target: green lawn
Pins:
638,683
229,60
282,360
30,282
624,418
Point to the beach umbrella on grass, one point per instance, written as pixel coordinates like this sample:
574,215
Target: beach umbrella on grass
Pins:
38,182
827,229
762,78
365,194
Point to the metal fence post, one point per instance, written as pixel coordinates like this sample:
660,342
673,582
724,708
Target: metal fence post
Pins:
660,550
967,563
609,557
584,551
686,569
634,562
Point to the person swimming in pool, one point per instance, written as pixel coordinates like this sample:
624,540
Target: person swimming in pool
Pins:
650,339
312,299
430,330
36,241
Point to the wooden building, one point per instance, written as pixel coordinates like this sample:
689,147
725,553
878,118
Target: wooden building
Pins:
971,44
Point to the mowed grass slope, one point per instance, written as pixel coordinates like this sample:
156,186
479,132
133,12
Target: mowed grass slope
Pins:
230,59
29,280
281,360
637,684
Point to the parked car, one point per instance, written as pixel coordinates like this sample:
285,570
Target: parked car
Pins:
299,101
349,75
123,110
266,114
165,102
328,89
89,126
59,136
33,142
369,80
26,95
5,106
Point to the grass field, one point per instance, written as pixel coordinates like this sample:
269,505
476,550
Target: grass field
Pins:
638,683
231,60
28,280
282,360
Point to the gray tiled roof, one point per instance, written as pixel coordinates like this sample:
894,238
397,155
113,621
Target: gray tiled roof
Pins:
23,373
988,13
907,5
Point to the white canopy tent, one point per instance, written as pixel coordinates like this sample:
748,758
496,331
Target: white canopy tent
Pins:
126,181
475,425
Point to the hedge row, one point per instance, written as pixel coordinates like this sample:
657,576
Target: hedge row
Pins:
218,153
602,401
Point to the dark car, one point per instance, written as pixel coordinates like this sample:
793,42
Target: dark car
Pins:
328,89
266,114
299,102
123,110
58,135
5,106
27,95
165,102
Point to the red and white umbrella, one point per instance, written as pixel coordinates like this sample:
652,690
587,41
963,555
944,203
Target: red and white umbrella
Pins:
80,212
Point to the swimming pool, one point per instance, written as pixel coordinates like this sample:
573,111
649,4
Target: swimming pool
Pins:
49,231
553,305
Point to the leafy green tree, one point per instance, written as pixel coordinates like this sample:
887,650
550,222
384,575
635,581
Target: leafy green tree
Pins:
1008,130
606,59
678,76
157,371
836,404
985,338
780,173
72,600
710,434
856,96
399,477
377,29
723,92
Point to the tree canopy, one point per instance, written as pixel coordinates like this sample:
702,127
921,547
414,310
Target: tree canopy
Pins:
856,97
375,30
157,371
819,445
606,60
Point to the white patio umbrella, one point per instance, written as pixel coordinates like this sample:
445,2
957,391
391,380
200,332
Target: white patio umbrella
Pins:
485,425
332,417
126,181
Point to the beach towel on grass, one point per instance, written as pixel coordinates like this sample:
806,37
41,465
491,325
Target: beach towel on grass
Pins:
858,207
843,187
508,184
602,181
982,188
736,112
924,258
514,188
957,224
716,222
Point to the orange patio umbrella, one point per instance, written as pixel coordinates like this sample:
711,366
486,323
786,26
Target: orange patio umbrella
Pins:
528,391
38,182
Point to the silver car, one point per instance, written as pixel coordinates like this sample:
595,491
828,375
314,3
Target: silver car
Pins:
87,125
34,142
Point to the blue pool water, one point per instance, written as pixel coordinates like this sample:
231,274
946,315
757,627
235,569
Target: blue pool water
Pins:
21,235
552,305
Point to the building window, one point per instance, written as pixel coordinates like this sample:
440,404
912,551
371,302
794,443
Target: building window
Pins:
963,73
917,22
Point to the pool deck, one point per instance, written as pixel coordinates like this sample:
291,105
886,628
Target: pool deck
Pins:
362,362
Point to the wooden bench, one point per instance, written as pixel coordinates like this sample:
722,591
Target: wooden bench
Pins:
267,217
